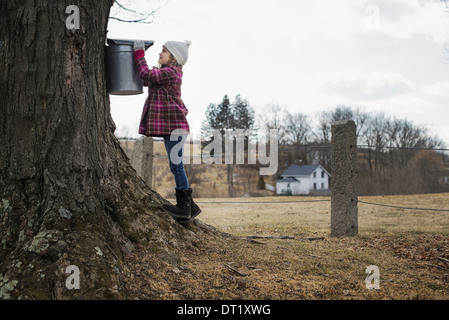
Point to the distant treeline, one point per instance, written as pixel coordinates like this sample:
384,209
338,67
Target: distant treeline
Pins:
396,156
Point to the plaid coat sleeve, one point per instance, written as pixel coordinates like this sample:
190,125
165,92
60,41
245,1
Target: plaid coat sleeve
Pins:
164,111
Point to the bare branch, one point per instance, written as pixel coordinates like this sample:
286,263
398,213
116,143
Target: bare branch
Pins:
125,13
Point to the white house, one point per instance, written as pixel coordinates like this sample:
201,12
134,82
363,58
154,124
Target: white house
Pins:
303,180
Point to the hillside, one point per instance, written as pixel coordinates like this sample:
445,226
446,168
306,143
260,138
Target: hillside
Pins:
425,172
208,181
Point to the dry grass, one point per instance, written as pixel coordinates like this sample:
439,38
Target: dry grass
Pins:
311,218
411,249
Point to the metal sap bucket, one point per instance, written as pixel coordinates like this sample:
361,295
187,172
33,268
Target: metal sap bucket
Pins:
121,74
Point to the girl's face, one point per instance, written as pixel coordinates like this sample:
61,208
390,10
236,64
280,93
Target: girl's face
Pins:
165,57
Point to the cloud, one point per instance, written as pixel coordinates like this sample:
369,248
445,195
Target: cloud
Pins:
405,19
439,88
359,85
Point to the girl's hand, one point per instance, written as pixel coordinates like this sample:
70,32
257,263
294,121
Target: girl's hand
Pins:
139,45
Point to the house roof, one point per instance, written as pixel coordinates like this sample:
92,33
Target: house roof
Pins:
295,170
289,179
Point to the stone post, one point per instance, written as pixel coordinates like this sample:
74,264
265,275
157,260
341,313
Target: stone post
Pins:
142,159
344,212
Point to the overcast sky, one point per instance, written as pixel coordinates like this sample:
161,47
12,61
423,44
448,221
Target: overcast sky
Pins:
305,55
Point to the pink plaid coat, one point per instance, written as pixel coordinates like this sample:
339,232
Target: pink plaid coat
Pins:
164,111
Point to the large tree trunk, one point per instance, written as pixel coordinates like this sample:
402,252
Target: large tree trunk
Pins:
68,195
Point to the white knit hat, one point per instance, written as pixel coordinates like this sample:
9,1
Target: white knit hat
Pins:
179,49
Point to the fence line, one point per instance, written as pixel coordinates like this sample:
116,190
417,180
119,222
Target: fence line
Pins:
228,202
399,207
361,146
366,146
323,200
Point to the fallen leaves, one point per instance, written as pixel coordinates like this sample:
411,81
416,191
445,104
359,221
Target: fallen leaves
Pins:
239,268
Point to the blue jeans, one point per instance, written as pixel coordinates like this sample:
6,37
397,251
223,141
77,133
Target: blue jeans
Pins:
175,153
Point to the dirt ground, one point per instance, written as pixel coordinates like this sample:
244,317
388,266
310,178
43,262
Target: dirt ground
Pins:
270,250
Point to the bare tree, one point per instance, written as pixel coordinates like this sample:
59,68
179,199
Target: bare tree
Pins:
275,117
298,129
375,138
322,130
134,11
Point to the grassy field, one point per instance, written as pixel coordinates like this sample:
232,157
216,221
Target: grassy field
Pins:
410,248
280,248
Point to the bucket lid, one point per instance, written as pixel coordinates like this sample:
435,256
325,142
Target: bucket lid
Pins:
129,42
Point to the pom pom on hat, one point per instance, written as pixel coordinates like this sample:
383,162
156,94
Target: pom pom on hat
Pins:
179,49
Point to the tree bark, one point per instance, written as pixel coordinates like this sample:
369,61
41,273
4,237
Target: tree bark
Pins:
68,195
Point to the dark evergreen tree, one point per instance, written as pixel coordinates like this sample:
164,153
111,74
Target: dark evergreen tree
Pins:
227,117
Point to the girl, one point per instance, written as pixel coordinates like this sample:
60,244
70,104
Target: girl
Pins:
164,115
